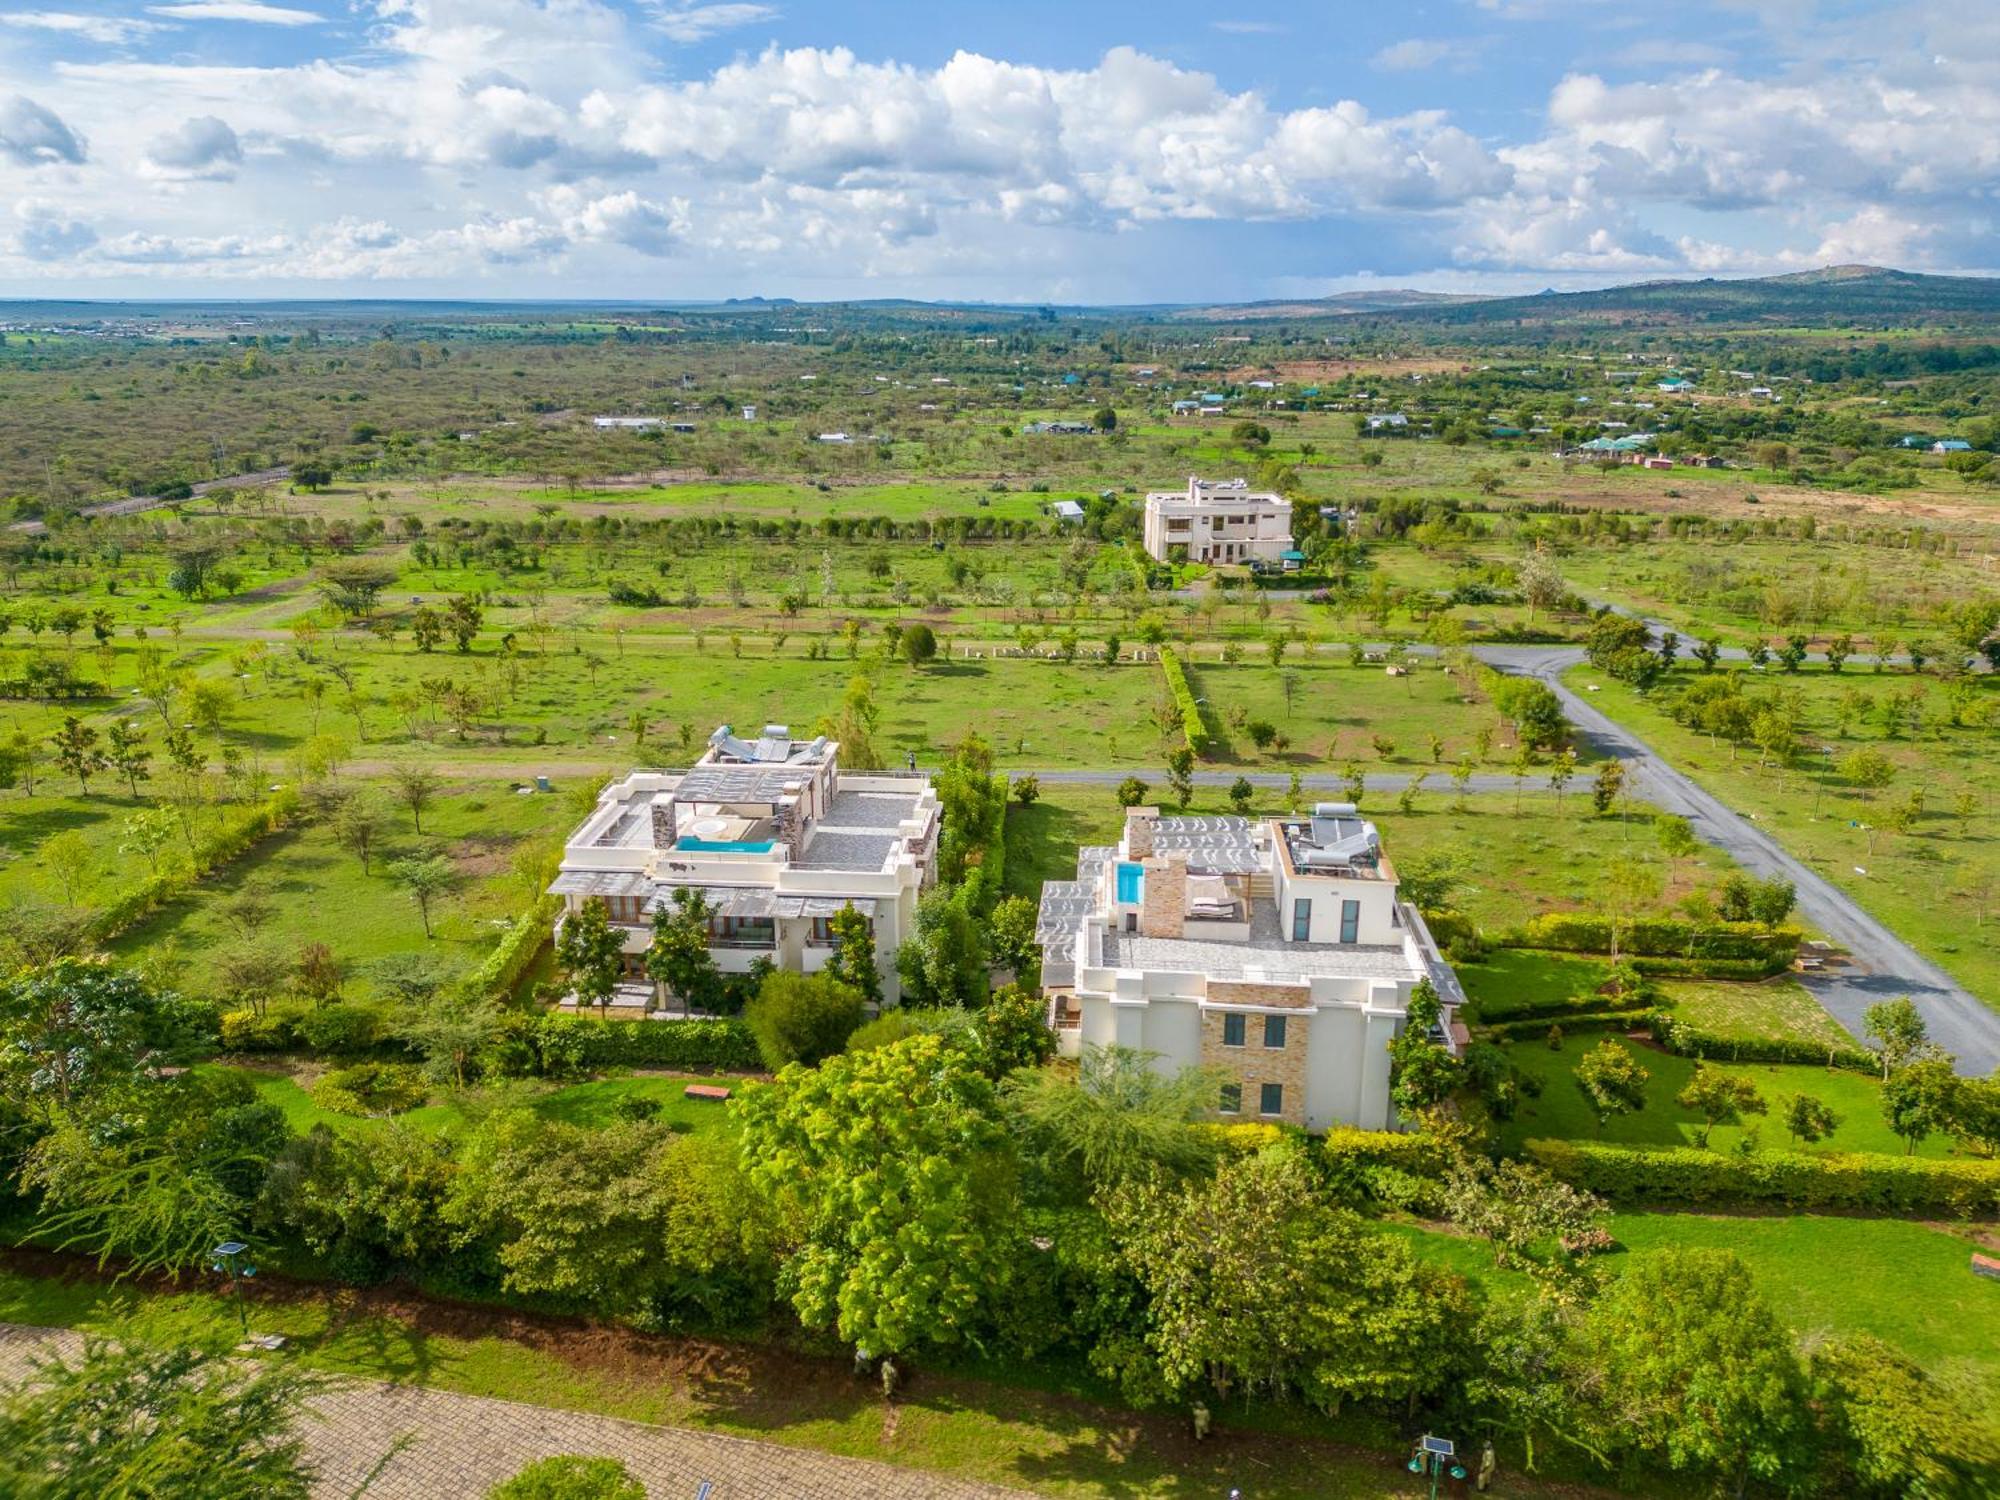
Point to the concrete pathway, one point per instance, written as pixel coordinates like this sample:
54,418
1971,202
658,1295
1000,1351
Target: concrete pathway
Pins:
442,1446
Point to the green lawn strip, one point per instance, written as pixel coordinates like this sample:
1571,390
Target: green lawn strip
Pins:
1935,886
593,1103
1040,1434
1560,1111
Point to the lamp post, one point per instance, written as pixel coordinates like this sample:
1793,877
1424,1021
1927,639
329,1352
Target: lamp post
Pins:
228,1263
1436,1457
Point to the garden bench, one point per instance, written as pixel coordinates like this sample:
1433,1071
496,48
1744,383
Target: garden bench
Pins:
706,1091
1985,1265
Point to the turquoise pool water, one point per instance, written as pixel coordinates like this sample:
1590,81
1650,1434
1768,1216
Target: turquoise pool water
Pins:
1131,882
726,846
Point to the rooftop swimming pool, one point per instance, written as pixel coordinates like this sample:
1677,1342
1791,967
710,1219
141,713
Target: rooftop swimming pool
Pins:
1131,884
725,846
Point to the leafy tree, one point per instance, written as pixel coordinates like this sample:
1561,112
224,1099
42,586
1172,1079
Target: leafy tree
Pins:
1695,1368
427,629
614,1219
1431,879
1676,837
943,961
427,879
1422,1073
1255,1285
679,956
357,825
918,644
365,1200
462,620
416,788
1010,937
1180,777
1241,795
1809,1120
70,857
1131,792
802,1018
571,1477
894,1187
1720,1099
451,1036
1607,786
1012,1031
852,961
75,1028
75,746
126,753
1117,1117
590,952
1027,789
1518,1207
1890,1429
126,1421
1611,1081
353,584
1897,1029
1919,1099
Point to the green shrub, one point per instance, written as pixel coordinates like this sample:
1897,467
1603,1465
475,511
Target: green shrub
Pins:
495,978
802,1018
1689,1041
1903,1185
241,831
370,1089
587,1043
568,1477
1193,731
344,1027
1662,937
276,1030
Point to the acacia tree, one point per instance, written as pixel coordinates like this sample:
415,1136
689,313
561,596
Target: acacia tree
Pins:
590,952
416,788
427,880
894,1187
1897,1029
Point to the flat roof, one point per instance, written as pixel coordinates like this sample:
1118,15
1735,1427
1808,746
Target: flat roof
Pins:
1265,953
1217,846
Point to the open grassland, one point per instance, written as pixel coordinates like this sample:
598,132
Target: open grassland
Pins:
1938,884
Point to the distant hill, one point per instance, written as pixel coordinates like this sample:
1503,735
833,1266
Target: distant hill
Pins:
1832,296
1337,305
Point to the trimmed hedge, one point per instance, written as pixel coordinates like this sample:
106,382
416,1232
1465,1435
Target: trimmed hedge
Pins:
1689,1041
1537,1027
1193,731
594,1042
1904,1185
1661,937
1561,1009
1412,1152
242,830
495,978
1749,970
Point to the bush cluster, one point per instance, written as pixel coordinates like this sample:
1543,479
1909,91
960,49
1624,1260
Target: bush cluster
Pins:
370,1088
569,1042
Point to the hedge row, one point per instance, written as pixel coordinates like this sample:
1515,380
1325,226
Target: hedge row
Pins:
1690,1041
1658,937
590,1042
496,978
1193,732
242,830
1412,1152
1576,1025
1748,970
1487,1011
1905,1185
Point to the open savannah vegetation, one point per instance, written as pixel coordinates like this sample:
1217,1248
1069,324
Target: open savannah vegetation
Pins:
318,636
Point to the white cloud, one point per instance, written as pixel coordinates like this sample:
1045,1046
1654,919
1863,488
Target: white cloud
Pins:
694,23
110,30
201,147
33,135
1249,28
1418,53
47,233
238,10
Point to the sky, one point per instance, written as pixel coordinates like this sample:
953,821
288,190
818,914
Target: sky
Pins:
1109,152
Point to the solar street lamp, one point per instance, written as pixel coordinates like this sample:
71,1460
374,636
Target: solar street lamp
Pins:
227,1261
1436,1457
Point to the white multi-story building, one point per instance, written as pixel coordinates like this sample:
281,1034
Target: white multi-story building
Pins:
1220,521
775,836
1276,951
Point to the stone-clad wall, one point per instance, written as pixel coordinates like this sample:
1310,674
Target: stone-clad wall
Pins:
1254,1064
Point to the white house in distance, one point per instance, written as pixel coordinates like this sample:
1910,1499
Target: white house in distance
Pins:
777,838
1220,521
628,424
1276,950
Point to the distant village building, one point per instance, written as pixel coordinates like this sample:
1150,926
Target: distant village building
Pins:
1059,429
628,424
1388,421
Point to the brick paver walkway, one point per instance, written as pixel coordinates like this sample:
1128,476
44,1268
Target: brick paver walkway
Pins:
458,1446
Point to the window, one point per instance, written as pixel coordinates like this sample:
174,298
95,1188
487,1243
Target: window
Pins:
1274,1032
1271,1099
1232,1099
1302,921
743,932
1232,1031
1350,921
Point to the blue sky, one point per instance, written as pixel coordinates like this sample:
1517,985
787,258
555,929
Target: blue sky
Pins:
1112,152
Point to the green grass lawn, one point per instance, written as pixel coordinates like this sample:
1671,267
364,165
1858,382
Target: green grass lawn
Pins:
593,1103
1561,1112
